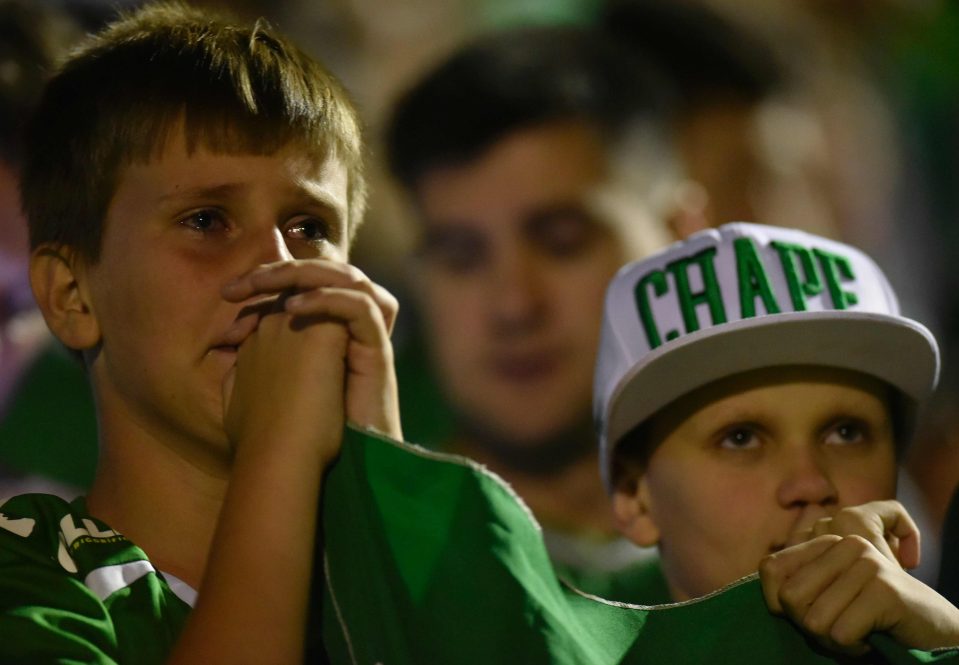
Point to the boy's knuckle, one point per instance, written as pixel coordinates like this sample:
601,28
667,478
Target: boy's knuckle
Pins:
791,595
870,565
355,276
856,544
771,567
842,635
849,519
767,566
366,304
388,299
815,623
852,511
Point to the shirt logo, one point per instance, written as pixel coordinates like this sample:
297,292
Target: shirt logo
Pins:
72,536
23,526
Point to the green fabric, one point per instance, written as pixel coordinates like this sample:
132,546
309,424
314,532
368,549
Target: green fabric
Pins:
428,559
50,610
641,583
424,558
428,421
49,428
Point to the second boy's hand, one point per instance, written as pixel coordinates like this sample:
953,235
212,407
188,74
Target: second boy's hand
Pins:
843,579
885,524
321,289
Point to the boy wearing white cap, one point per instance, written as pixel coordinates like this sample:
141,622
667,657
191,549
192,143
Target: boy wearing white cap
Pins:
754,384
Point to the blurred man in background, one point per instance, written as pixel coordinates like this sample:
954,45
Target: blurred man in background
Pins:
537,164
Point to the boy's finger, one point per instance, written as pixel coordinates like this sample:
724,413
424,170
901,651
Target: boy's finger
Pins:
866,522
294,275
244,325
388,304
797,592
803,531
863,616
829,616
357,310
810,581
885,524
303,276
323,301
776,569
897,522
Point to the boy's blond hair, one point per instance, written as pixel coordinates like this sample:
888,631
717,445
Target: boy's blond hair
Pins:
235,89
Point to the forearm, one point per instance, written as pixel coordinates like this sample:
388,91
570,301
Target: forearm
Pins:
253,598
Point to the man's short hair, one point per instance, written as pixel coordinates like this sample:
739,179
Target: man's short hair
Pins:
514,80
705,56
236,88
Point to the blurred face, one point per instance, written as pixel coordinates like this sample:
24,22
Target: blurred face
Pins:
514,268
746,464
177,229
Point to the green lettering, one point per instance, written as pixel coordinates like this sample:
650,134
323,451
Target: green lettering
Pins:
710,295
799,288
656,279
836,269
753,280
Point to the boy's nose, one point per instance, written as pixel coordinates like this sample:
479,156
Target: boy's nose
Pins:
271,246
806,482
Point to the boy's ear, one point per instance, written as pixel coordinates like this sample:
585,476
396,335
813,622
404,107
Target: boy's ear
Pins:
57,276
631,510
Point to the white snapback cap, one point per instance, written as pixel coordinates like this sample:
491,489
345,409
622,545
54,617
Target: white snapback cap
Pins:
744,297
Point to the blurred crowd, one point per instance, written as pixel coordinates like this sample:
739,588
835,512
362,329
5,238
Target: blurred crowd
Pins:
839,117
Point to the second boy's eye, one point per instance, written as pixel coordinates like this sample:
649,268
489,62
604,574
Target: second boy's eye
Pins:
845,433
740,438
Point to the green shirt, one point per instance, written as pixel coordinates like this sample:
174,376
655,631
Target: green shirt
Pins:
72,590
422,558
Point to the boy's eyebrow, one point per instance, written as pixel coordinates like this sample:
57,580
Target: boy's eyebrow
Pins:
314,196
200,192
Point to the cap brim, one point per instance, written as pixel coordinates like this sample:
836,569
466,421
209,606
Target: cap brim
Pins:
894,349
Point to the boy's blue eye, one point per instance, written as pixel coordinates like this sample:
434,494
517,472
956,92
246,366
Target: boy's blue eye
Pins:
311,230
204,221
